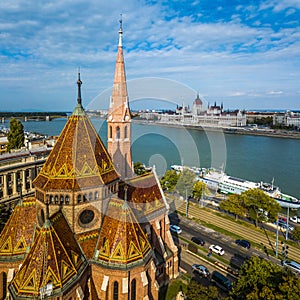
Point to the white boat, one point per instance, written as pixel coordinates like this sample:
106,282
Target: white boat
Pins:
218,180
234,185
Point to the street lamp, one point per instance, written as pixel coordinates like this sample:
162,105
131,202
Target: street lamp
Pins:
186,204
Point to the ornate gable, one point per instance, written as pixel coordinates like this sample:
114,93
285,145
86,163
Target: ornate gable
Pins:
121,239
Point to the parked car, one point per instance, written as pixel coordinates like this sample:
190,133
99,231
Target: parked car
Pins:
243,243
198,241
175,229
217,249
283,219
285,226
221,281
292,265
201,270
295,219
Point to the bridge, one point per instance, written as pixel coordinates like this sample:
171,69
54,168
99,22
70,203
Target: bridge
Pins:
35,116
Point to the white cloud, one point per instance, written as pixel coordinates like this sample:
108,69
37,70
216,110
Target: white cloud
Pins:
42,45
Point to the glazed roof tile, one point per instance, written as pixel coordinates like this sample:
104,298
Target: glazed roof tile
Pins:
144,194
78,159
17,235
88,241
54,258
121,239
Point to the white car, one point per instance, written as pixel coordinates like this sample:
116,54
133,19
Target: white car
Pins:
217,249
175,228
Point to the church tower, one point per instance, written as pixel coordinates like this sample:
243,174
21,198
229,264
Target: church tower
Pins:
119,119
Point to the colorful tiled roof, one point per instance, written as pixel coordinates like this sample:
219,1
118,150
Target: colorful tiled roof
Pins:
78,159
88,241
55,258
121,239
17,235
144,194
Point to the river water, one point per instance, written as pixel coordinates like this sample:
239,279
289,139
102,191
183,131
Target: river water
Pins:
255,158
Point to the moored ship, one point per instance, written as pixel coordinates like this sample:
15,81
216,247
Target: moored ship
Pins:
226,184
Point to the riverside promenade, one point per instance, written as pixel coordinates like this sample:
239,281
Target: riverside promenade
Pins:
259,237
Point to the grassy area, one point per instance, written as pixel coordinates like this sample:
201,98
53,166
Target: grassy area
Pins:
170,291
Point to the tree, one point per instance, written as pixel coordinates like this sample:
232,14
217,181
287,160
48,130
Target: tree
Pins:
258,204
197,291
262,279
296,234
15,135
186,181
199,188
235,205
169,180
139,168
4,215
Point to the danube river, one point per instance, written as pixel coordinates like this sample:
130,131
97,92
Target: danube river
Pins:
256,158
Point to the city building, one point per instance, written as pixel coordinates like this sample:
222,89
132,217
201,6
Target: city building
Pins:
93,229
214,116
287,118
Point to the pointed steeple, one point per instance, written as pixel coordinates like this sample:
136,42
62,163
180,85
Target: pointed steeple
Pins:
119,118
119,107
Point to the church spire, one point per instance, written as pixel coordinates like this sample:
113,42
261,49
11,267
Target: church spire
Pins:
119,118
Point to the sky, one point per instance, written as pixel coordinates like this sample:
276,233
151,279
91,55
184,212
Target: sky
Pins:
244,54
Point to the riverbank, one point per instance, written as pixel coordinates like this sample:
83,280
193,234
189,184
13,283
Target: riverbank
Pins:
230,130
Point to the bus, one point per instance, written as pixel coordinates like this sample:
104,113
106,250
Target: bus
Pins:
221,281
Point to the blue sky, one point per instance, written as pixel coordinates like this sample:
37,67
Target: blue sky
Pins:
245,54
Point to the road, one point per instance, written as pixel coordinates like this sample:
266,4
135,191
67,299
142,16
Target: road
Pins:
257,236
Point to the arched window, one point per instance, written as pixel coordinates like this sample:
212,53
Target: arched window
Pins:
110,132
96,196
133,289
78,198
51,199
61,199
125,132
116,290
90,196
67,199
56,199
118,133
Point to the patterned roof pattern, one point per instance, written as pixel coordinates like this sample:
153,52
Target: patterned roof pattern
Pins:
88,241
78,159
144,194
17,234
55,257
121,239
